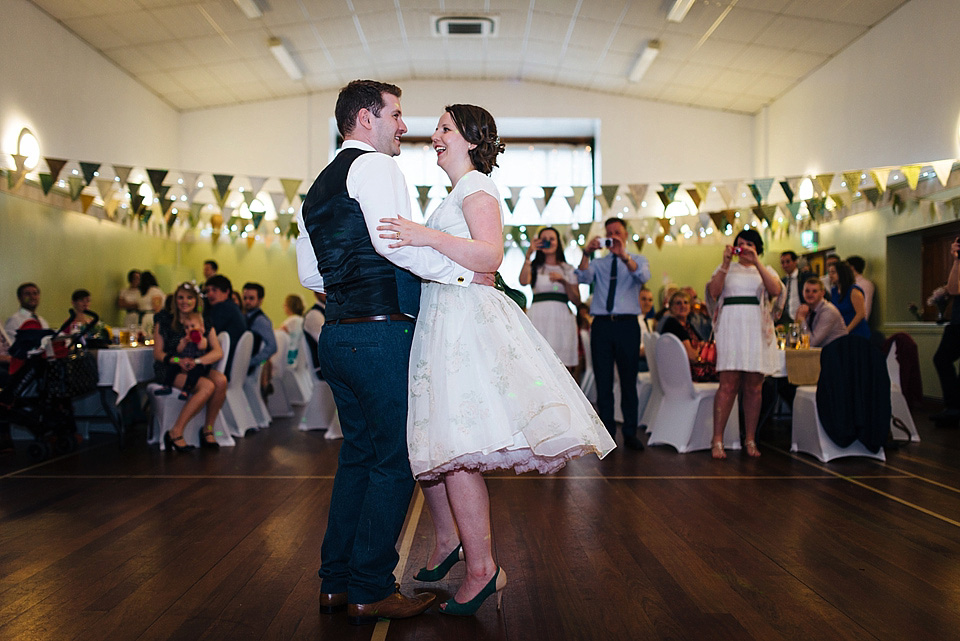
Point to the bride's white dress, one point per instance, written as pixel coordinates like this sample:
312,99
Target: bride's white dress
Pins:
486,389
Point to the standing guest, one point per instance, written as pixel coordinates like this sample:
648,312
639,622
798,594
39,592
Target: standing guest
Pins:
554,287
129,299
617,279
210,269
221,314
364,349
746,342
486,393
293,325
821,317
793,279
858,265
949,349
151,301
210,390
848,298
831,259
264,341
29,296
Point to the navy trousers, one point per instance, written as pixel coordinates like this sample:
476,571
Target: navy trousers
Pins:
366,367
616,342
947,354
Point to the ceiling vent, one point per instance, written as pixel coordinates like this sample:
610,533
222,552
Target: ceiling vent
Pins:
465,26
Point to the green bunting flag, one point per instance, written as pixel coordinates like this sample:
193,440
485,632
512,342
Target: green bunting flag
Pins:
76,186
46,183
89,170
872,194
787,190
290,187
156,178
609,192
670,190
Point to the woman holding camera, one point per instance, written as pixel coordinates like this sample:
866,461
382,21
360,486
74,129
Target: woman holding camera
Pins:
746,343
554,286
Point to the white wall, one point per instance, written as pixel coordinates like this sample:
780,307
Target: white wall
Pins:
639,141
891,98
78,104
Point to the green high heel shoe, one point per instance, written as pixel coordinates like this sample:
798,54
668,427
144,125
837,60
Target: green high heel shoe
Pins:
441,570
496,585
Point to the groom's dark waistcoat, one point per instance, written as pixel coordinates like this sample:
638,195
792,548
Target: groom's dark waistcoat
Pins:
359,282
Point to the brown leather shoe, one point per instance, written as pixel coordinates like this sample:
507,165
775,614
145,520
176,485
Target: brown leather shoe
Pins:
395,606
331,602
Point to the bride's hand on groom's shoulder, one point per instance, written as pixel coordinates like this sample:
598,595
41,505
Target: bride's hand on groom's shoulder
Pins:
404,232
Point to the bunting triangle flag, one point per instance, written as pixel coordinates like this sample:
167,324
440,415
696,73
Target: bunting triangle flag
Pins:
547,195
755,191
513,198
824,180
156,177
105,186
276,198
89,170
293,230
912,174
221,198
787,190
765,212
136,202
110,207
540,203
423,198
449,188
658,241
134,190
719,220
726,193
190,179
46,183
256,184
171,219
76,186
223,182
664,198
637,193
257,217
695,197
943,169
162,192
248,197
609,192
815,207
793,208
670,189
577,196
122,172
838,200
880,177
290,187
763,188
283,222
872,194
703,188
795,182
664,225
194,216
56,166
166,203
85,201
145,215
853,178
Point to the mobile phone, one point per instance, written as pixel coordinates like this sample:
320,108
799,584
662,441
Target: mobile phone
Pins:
606,242
546,243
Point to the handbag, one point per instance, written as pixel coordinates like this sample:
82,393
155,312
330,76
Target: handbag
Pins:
72,376
704,370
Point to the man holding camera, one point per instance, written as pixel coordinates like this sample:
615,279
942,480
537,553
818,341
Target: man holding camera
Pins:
616,280
949,350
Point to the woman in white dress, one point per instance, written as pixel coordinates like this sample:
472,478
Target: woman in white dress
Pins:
554,286
746,344
486,390
151,301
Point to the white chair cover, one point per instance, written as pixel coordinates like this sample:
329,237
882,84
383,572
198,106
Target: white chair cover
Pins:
298,380
236,409
278,404
167,408
649,411
898,402
684,419
251,387
808,434
321,412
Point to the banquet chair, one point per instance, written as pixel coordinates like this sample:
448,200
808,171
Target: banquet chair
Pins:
166,409
251,387
808,434
648,410
321,412
684,419
278,404
236,409
298,378
898,402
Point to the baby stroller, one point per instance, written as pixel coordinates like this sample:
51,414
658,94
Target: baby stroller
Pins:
48,370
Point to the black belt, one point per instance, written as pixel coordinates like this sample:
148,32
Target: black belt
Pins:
741,300
557,296
616,317
373,319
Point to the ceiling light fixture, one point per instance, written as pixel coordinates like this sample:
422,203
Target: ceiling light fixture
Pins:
644,60
250,8
678,11
282,54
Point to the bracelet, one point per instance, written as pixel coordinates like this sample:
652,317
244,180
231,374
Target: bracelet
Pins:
175,359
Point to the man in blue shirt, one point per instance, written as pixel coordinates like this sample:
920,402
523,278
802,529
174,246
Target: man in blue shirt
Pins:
617,279
264,341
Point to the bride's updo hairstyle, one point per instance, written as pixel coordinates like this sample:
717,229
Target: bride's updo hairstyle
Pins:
477,126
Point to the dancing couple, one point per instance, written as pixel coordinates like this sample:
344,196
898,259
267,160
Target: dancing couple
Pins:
432,369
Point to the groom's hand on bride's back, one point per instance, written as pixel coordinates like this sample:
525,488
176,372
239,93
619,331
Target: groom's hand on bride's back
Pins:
483,278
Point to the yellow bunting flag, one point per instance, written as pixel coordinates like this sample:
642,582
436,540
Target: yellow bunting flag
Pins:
609,193
85,201
110,206
880,177
853,178
658,241
664,225
943,169
912,174
702,189
290,187
824,181
250,240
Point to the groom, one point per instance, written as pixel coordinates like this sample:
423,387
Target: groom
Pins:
373,296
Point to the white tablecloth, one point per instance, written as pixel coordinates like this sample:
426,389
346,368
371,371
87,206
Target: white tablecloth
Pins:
121,368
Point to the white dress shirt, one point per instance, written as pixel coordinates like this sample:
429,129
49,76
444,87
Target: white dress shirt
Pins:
376,182
22,316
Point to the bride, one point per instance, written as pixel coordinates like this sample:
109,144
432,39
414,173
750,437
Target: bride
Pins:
486,390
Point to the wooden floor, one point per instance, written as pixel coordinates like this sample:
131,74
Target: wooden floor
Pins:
139,544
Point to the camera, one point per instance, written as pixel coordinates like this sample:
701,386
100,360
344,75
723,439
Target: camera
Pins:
737,251
606,242
547,243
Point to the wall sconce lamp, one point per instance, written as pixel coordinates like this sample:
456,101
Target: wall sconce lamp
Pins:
28,151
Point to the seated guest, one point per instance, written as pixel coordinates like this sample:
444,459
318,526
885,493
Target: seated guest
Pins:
129,299
193,345
848,298
293,325
29,296
647,311
264,341
678,324
822,318
80,315
699,317
221,314
666,294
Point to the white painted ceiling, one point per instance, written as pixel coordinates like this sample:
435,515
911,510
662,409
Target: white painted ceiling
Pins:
733,55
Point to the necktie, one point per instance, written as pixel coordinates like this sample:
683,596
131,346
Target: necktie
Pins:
612,294
810,318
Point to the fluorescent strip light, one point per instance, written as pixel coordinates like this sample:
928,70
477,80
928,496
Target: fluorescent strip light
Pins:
679,10
250,8
282,54
644,61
